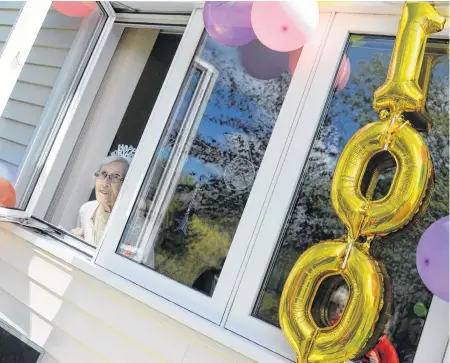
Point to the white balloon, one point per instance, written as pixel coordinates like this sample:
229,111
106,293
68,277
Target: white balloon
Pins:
305,14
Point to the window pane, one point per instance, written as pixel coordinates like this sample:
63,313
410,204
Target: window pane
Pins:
313,219
9,12
48,76
196,189
112,132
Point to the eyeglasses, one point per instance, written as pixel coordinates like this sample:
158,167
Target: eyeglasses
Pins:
113,178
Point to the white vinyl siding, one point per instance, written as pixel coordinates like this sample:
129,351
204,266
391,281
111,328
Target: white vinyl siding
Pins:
27,102
76,318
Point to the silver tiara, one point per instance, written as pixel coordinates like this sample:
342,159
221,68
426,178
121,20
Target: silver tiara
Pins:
125,151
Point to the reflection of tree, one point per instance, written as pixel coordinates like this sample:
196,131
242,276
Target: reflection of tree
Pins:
218,199
205,245
229,145
313,218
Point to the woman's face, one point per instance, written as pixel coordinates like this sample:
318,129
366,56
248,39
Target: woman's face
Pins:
106,191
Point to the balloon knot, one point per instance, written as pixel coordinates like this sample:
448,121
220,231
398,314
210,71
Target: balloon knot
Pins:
392,127
384,115
284,28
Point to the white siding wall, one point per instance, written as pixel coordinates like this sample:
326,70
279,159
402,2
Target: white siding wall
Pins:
31,93
77,318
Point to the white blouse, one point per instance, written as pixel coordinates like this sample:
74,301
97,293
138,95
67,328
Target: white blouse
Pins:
86,222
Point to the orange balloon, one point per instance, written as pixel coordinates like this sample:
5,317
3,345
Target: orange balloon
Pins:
75,8
343,74
293,59
7,194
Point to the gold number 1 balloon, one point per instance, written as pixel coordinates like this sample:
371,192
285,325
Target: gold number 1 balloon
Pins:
367,153
401,91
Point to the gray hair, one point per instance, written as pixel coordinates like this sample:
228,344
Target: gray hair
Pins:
340,296
113,159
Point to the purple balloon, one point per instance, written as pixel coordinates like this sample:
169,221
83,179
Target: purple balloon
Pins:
263,63
432,258
229,22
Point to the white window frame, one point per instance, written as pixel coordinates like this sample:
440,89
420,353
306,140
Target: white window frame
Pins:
12,60
177,158
100,127
240,320
53,113
19,44
212,308
78,104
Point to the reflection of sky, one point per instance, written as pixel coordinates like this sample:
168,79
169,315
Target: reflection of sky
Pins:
189,88
363,50
8,171
225,104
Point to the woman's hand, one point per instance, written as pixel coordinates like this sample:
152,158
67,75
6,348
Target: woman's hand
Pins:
78,232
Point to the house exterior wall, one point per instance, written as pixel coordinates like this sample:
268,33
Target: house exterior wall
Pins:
77,318
22,114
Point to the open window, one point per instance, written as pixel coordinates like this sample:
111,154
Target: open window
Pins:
196,190
116,120
85,92
201,162
43,60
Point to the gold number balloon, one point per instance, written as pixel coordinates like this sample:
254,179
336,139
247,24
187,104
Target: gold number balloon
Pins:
401,91
366,217
352,190
352,334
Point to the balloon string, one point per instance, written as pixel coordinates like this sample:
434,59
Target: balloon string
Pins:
308,346
395,124
347,253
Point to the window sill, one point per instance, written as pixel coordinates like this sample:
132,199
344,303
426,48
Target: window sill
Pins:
78,260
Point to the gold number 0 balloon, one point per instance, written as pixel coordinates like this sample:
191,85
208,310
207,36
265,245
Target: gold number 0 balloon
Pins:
408,190
368,300
368,307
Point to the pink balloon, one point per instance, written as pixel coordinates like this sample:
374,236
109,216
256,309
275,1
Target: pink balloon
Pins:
293,59
343,74
285,26
75,8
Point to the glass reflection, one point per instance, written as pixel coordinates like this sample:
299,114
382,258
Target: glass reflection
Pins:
208,158
312,219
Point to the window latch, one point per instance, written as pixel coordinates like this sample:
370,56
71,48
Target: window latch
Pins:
16,61
31,224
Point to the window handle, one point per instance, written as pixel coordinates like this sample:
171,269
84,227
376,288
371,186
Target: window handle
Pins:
16,61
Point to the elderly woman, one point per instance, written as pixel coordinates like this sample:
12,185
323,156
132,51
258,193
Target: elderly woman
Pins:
94,215
383,352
